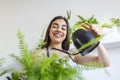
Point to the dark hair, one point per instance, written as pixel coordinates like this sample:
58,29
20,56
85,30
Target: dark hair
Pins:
66,42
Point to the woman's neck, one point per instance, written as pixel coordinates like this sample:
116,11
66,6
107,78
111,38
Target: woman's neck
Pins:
53,45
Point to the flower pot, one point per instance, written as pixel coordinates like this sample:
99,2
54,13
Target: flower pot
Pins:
84,41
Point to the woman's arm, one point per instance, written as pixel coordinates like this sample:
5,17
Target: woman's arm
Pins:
103,56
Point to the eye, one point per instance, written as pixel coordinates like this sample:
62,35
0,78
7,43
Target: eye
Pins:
64,28
54,26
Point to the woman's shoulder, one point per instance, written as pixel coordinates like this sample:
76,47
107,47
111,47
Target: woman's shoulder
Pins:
40,51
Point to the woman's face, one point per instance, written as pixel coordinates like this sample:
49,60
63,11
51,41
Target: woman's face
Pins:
58,31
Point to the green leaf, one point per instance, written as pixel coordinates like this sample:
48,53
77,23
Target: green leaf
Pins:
92,20
68,14
3,72
115,22
106,25
82,19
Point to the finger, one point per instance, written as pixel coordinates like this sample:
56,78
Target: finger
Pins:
93,26
96,30
85,26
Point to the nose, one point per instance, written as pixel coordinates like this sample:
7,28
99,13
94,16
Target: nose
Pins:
59,29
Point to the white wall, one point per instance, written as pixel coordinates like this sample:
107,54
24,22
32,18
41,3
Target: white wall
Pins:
33,15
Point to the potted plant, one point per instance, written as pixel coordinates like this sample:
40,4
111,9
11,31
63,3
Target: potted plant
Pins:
40,67
88,42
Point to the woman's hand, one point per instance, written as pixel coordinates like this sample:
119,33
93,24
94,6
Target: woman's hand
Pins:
103,56
96,30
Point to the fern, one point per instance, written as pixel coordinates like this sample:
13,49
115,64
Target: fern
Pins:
22,45
2,72
38,67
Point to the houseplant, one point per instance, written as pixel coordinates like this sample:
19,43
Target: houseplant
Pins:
2,71
114,22
40,67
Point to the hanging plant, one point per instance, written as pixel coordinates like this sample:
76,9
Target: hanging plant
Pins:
114,22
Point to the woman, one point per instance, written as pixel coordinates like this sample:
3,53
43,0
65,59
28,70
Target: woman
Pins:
57,39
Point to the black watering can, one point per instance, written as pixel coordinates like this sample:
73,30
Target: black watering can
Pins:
84,41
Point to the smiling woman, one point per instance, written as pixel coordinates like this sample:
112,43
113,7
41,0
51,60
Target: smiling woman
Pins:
57,36
58,32
57,40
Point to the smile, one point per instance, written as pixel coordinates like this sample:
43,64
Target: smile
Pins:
57,35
